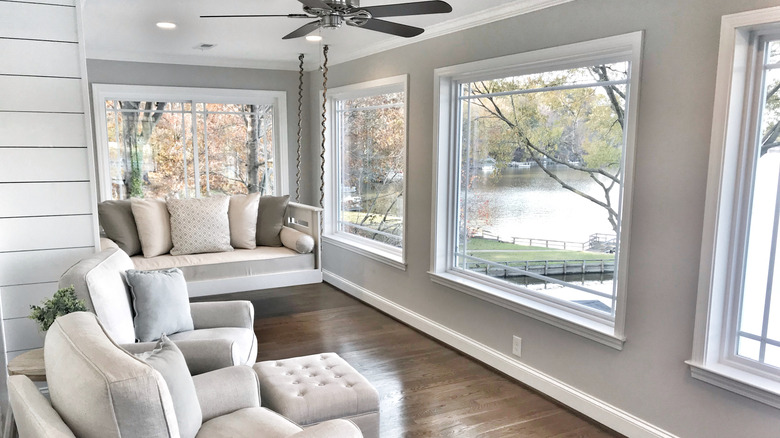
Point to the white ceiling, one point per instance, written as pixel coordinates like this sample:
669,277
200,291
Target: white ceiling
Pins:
125,30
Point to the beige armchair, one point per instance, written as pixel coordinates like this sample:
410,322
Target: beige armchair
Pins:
100,390
223,335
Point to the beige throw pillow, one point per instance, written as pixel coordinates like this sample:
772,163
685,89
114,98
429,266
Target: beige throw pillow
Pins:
200,225
154,227
242,215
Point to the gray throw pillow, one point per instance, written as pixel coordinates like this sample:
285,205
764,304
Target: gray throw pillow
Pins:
116,218
161,303
270,218
167,359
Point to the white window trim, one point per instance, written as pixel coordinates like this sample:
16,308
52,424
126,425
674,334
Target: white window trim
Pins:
103,92
444,184
376,251
715,304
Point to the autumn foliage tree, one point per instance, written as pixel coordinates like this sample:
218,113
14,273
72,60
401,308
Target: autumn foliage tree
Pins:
559,123
373,156
234,147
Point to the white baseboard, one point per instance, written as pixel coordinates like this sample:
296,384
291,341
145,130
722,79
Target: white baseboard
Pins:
598,410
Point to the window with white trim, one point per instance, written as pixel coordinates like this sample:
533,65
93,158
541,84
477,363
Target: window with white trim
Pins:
158,141
534,170
737,342
367,165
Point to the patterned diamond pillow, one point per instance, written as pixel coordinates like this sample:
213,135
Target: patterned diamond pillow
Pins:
200,225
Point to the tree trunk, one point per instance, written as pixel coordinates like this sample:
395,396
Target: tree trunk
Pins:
252,152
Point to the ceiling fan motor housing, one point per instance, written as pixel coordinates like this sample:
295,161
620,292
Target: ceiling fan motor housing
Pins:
342,4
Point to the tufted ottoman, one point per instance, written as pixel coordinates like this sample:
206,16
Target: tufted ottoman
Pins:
312,389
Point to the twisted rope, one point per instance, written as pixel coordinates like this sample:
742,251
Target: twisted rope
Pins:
324,120
300,129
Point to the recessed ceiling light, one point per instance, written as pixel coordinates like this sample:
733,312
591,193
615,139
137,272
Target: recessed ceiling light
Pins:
166,25
314,38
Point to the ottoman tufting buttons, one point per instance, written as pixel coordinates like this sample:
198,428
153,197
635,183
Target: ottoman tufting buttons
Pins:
311,402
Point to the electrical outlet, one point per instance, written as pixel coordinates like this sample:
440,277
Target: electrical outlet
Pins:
516,345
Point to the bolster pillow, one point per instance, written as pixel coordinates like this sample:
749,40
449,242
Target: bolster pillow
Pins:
297,241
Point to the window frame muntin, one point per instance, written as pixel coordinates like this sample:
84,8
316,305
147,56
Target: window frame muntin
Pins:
715,306
388,254
103,92
445,183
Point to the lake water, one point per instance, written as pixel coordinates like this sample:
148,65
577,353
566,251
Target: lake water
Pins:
525,202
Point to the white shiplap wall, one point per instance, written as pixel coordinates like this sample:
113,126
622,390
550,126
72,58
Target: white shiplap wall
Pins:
47,191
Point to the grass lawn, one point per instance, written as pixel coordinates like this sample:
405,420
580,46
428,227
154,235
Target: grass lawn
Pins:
521,253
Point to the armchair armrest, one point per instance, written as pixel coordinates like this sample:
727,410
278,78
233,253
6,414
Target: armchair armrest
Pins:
34,414
227,390
216,314
339,428
201,355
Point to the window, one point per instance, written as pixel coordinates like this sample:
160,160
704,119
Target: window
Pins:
737,341
368,161
159,142
535,162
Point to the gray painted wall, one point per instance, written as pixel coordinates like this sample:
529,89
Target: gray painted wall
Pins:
648,378
135,73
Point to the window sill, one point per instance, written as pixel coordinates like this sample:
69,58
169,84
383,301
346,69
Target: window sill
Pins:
744,383
370,251
587,328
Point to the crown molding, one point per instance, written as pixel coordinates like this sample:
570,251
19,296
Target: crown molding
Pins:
156,58
487,16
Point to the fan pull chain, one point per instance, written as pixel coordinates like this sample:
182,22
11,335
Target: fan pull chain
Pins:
324,120
300,129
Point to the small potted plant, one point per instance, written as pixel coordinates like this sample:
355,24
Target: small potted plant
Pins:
63,302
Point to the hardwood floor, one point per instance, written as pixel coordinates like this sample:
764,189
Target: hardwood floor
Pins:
426,389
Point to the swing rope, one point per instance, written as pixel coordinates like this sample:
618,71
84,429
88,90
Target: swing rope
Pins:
324,120
300,129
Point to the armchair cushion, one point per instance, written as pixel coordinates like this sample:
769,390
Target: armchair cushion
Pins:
160,301
246,423
169,362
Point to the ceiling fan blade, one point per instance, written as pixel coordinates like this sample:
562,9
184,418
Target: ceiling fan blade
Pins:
303,30
397,29
316,4
256,16
401,9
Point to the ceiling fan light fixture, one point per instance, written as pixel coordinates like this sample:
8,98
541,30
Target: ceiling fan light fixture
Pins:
314,38
167,25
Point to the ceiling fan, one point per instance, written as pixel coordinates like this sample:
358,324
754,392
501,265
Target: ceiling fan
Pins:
331,14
